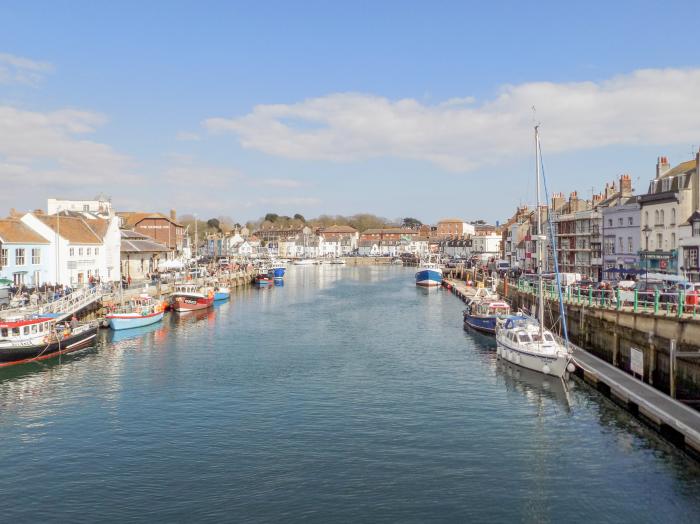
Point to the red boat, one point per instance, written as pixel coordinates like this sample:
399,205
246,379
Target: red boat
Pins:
188,297
263,280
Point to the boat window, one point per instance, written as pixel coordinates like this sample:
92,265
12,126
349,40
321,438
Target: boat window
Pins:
26,330
523,337
536,337
548,337
15,331
41,327
35,328
3,332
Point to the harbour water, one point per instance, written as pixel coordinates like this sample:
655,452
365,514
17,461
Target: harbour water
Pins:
347,394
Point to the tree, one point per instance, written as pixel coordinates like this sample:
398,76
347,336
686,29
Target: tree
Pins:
297,216
412,223
271,217
213,223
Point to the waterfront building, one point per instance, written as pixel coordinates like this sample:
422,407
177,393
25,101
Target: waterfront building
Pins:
338,241
454,228
161,228
487,244
457,248
689,247
621,226
101,206
141,254
24,254
79,247
576,224
511,235
670,201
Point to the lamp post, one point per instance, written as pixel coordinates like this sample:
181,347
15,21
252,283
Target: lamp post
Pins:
646,230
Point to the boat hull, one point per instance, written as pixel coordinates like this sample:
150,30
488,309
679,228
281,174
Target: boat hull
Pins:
554,365
118,322
263,282
23,354
277,272
185,303
428,278
485,324
222,295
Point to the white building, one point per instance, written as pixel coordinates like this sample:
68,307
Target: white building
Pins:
670,201
80,247
489,244
689,248
338,241
99,206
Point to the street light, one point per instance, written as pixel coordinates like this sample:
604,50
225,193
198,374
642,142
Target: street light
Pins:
646,230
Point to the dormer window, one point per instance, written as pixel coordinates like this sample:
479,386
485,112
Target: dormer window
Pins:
696,228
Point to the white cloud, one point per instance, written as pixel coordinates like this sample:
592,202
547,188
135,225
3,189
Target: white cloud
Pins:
646,107
19,70
45,152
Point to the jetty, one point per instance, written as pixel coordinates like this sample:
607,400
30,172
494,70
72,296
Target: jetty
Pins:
676,421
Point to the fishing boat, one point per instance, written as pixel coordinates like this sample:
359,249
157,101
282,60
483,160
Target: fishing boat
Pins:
221,293
263,280
482,313
429,273
190,297
139,312
276,271
36,338
338,261
304,262
524,341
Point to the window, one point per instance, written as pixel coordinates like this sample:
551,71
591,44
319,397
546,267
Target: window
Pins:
3,333
619,221
619,244
36,255
656,217
696,231
629,245
71,252
610,222
661,215
673,216
97,251
646,218
3,254
659,241
19,256
673,241
630,221
35,328
86,207
89,251
25,330
80,251
692,256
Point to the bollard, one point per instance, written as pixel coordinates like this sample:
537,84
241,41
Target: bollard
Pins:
681,303
636,299
617,298
590,296
656,301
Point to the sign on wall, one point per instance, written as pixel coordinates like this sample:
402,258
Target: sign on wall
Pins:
637,362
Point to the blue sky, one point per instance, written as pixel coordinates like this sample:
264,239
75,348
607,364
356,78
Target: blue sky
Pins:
396,108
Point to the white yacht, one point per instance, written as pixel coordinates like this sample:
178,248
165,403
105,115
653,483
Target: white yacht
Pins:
525,341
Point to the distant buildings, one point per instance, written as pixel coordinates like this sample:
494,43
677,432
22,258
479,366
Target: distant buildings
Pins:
454,227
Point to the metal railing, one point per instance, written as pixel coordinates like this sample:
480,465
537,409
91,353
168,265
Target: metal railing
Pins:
657,302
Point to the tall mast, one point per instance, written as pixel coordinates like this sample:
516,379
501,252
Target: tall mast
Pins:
540,305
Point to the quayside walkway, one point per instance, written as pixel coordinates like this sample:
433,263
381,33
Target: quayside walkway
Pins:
62,308
673,419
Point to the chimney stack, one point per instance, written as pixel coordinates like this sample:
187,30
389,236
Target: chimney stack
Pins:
662,166
625,185
173,215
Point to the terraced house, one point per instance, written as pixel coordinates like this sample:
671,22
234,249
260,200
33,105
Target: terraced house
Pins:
24,257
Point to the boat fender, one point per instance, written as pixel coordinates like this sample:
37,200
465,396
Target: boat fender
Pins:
546,369
570,367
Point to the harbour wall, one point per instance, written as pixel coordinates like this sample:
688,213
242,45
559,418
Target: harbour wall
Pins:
611,334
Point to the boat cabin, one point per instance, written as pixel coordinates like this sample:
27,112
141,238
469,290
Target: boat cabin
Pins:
25,329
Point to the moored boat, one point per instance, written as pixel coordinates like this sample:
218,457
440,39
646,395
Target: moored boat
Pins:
139,312
429,273
263,280
25,340
277,271
482,313
221,293
189,297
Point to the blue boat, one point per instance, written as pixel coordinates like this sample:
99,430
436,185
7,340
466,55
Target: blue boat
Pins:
429,273
483,313
142,311
221,293
276,272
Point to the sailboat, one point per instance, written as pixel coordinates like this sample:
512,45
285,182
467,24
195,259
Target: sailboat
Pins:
525,341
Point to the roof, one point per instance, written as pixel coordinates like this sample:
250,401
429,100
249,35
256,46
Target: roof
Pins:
693,218
444,220
132,218
133,242
683,167
390,231
73,229
338,229
13,231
